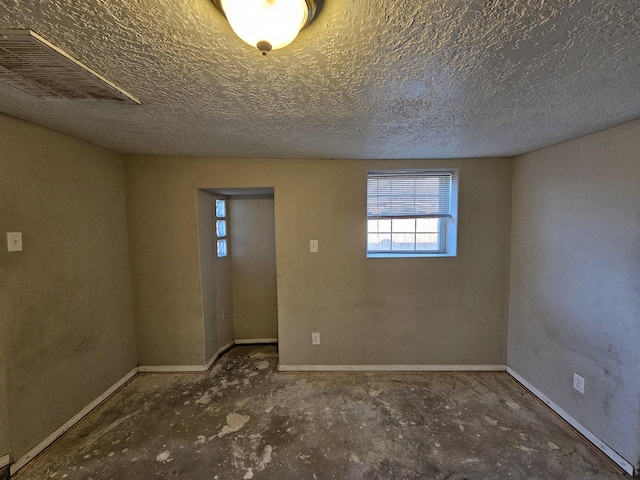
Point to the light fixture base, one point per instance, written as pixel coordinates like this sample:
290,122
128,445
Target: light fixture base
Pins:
264,47
312,7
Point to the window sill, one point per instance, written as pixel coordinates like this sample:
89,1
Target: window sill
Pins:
409,255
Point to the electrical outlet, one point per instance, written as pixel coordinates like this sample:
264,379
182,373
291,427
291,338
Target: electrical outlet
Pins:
14,241
315,338
578,382
224,314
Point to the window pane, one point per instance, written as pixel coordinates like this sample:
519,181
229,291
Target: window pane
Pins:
428,241
221,208
404,225
379,242
221,228
384,226
403,241
379,226
427,224
222,248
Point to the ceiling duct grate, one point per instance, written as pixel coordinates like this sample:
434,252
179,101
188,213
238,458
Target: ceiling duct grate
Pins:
31,64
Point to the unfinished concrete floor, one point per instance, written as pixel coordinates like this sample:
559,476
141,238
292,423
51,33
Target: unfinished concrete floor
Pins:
243,421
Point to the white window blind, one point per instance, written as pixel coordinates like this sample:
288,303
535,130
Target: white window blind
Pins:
408,194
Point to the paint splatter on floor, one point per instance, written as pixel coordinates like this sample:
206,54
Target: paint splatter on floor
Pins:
235,422
164,457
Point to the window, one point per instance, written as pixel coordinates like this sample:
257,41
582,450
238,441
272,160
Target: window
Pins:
221,227
412,213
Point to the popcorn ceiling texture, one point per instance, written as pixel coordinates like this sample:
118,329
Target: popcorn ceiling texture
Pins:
368,79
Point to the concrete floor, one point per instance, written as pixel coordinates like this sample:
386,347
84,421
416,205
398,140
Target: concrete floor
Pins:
242,421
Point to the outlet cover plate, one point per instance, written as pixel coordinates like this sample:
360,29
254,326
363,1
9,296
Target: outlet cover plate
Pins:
578,382
315,338
14,241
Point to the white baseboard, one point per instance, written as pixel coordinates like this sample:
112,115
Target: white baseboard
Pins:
606,449
391,368
186,368
254,341
31,454
207,366
22,461
35,451
171,368
220,351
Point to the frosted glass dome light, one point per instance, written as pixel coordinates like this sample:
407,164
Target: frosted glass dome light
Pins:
267,24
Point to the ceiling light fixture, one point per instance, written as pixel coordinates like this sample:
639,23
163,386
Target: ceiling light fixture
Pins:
268,24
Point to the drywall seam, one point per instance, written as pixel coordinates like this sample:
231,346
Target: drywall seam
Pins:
606,449
31,454
186,368
391,368
254,341
5,460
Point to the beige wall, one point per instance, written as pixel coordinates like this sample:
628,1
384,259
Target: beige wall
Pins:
222,289
5,440
65,301
215,278
575,280
368,311
253,257
167,300
207,252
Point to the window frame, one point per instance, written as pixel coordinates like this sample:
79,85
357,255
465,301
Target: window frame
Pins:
448,226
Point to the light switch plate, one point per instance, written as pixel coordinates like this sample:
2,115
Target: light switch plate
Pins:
14,241
578,382
313,246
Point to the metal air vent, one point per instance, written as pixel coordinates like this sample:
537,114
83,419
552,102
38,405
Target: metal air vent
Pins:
31,64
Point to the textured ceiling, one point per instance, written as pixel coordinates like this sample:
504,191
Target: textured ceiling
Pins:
368,79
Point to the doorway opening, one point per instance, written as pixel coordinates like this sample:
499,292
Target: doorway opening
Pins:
239,290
